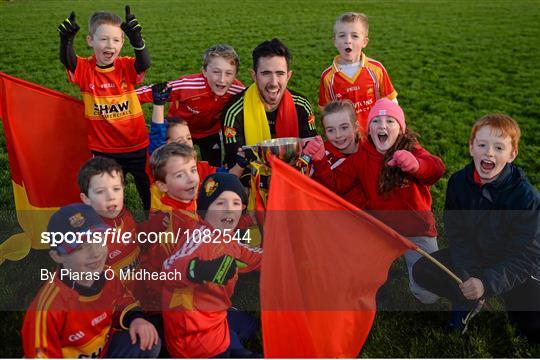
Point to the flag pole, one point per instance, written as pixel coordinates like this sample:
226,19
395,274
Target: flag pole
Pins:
439,265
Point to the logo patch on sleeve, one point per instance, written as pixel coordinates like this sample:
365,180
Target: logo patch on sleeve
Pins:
229,132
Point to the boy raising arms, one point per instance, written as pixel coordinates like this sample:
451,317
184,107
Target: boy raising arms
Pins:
492,225
352,74
73,316
177,130
107,82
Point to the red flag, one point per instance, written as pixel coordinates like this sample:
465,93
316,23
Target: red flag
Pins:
46,139
323,263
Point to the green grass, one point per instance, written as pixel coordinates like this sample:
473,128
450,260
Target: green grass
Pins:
451,62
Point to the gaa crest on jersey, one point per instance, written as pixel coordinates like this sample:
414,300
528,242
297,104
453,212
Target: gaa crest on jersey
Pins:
76,220
229,132
311,119
210,187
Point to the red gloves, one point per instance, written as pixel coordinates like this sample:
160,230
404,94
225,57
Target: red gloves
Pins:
314,148
405,161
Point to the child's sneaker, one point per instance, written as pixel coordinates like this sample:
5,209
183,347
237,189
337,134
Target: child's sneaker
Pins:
456,322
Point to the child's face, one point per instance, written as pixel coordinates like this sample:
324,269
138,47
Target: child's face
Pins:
384,131
180,134
340,132
220,74
86,258
349,39
182,179
105,194
225,212
107,43
491,151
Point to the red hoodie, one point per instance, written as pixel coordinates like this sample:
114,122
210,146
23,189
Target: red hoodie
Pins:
407,208
335,158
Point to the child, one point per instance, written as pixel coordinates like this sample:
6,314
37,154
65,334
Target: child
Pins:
177,130
165,131
174,169
352,75
491,222
341,130
117,129
196,319
101,182
395,173
72,316
200,98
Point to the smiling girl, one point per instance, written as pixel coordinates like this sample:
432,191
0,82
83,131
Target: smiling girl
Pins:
343,137
396,174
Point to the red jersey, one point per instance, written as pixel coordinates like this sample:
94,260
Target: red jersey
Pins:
115,117
65,323
193,100
370,83
407,208
122,255
195,315
335,158
183,216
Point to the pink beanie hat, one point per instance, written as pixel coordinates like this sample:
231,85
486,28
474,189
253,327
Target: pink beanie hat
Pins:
389,108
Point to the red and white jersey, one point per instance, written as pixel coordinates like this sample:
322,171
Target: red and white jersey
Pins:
115,117
63,323
195,315
193,100
370,83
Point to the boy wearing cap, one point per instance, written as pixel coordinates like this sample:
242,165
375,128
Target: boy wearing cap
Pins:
196,319
73,315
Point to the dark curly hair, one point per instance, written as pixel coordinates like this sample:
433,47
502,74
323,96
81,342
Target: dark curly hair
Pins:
392,176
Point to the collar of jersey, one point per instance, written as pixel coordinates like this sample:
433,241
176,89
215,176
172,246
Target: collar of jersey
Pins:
105,70
337,67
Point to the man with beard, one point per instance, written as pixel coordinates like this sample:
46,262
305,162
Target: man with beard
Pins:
266,109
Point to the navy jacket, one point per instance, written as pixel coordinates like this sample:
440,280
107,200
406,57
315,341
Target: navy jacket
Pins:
493,229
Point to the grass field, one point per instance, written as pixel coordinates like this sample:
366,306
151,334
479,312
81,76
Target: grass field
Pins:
451,62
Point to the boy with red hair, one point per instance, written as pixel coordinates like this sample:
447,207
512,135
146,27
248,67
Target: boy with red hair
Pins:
492,224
